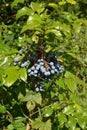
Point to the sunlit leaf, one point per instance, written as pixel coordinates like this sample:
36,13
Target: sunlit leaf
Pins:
48,112
10,76
39,7
62,118
72,122
23,74
23,11
2,109
68,110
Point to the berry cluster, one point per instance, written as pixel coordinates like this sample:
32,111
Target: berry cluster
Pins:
45,70
42,68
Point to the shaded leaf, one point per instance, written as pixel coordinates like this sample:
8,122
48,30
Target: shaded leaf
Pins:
37,123
30,105
37,98
15,2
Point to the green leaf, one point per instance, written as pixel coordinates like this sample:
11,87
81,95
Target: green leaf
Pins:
30,105
71,1
15,2
39,7
34,22
32,96
82,123
37,123
10,127
2,109
70,84
23,74
46,126
10,76
72,122
68,110
37,98
62,118
53,5
54,31
48,112
60,82
23,11
55,106
74,79
18,125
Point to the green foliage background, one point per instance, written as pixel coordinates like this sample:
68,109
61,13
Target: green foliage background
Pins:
62,24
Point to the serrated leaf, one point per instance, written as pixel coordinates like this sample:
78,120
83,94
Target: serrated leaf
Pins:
30,105
62,118
15,2
23,11
10,76
23,74
2,109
